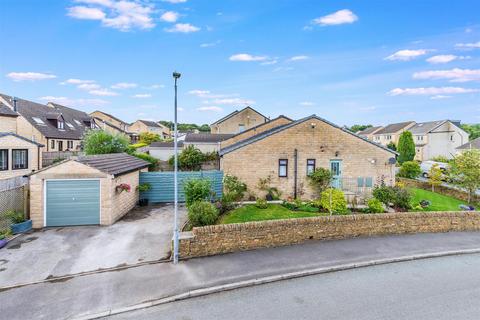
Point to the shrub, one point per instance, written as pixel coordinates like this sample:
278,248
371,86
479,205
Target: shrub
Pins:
375,206
153,161
290,205
261,204
225,204
402,199
410,170
308,207
138,145
272,192
418,208
147,138
338,203
234,187
391,145
320,179
441,159
384,193
406,147
202,213
101,142
15,216
197,190
425,203
190,159
144,187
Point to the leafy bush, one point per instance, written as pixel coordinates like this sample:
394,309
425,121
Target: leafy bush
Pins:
384,193
261,204
425,203
234,187
153,161
320,179
147,138
418,208
272,192
375,206
308,207
211,156
410,170
441,159
338,203
290,205
138,145
197,190
402,199
391,145
15,216
225,204
101,142
144,187
190,159
202,213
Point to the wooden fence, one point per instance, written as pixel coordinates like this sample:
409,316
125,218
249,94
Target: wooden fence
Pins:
49,158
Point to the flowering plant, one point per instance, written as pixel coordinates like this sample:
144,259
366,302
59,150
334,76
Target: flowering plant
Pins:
123,187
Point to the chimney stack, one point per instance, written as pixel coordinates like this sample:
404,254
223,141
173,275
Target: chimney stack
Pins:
15,104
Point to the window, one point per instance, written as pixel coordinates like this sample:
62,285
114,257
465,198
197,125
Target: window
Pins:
92,125
60,125
69,144
52,144
388,137
60,145
451,138
77,122
38,121
310,166
70,125
283,168
241,127
3,159
19,159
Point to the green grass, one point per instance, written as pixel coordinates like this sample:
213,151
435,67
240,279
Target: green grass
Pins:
439,202
272,212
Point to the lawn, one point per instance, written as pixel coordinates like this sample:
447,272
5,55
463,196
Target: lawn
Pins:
439,202
274,211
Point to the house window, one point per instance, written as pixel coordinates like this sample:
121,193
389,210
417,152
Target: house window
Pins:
19,159
3,159
310,166
60,125
92,125
70,144
70,125
52,144
283,167
77,122
60,145
241,127
451,138
38,121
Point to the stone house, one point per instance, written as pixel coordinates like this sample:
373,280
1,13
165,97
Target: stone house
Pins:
238,121
289,152
113,125
472,145
369,132
85,190
205,142
391,133
18,155
141,126
56,127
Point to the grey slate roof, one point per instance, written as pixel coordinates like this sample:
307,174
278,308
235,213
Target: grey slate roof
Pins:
115,164
6,111
108,114
394,127
369,130
262,124
236,112
275,130
474,144
4,134
150,123
206,137
29,109
164,144
422,128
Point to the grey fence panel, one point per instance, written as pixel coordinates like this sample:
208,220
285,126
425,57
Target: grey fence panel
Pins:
12,199
162,184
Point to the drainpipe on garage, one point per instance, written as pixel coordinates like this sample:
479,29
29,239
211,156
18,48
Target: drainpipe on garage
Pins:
295,161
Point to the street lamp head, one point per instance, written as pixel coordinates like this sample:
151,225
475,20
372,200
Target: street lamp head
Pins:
176,75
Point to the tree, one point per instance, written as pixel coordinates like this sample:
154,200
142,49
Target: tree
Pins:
101,142
406,147
190,159
149,137
435,176
410,170
391,145
465,171
473,130
359,127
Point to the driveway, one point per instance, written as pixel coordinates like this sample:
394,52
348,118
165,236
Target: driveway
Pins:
144,234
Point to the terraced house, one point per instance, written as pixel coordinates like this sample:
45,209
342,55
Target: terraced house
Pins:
238,121
141,126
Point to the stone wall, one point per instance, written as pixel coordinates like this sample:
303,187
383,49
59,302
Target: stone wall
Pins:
459,194
10,143
123,202
218,239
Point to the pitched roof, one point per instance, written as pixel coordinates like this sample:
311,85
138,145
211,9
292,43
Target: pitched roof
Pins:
426,127
207,137
4,134
6,111
275,130
474,144
108,114
165,144
101,121
29,110
369,130
114,163
150,123
228,116
262,124
394,127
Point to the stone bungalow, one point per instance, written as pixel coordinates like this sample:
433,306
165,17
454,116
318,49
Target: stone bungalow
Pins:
288,152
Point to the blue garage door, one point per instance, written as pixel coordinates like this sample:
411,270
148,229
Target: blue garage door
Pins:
72,202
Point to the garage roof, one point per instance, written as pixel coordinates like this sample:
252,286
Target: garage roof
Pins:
115,164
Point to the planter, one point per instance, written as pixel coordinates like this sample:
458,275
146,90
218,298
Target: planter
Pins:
143,202
21,227
3,243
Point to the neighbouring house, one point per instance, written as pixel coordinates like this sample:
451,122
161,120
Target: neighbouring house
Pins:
205,142
19,156
163,150
56,127
391,133
289,152
369,132
88,190
141,126
113,125
238,121
437,138
471,145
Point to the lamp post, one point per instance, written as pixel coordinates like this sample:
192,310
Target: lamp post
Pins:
176,76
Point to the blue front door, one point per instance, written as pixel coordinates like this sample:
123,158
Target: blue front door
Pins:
336,169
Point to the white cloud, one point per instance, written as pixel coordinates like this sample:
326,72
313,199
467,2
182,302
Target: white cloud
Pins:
278,69
439,97
175,1
307,103
103,93
430,91
209,44
210,108
200,93
183,28
298,58
247,57
344,16
123,15
473,45
234,101
155,86
88,86
30,76
406,55
454,75
170,16
268,63
75,102
445,58
124,85
142,95
77,81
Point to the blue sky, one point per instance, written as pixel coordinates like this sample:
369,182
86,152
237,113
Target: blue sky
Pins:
348,61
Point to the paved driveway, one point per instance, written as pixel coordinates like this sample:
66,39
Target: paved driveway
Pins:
142,235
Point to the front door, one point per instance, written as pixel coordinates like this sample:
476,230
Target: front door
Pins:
336,169
60,145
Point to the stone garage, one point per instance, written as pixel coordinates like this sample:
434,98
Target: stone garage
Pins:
87,190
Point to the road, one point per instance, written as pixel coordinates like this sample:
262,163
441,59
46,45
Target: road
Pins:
438,288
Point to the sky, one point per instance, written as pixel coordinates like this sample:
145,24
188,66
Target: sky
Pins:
351,62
